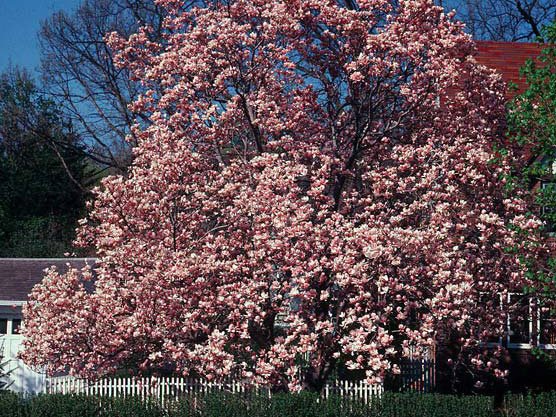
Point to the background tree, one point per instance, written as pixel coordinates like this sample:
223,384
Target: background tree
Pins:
317,188
78,70
505,20
532,126
42,176
79,74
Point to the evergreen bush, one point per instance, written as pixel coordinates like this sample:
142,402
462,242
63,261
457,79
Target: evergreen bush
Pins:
280,405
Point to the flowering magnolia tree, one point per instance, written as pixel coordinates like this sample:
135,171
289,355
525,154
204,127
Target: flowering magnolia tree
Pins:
318,188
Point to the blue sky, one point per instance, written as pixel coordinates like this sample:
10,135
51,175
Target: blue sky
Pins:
19,23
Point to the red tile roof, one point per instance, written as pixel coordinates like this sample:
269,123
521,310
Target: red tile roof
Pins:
507,58
18,276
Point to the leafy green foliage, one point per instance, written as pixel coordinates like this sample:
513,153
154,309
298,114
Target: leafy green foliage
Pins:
58,405
543,404
132,407
42,176
12,405
532,130
62,406
532,126
280,405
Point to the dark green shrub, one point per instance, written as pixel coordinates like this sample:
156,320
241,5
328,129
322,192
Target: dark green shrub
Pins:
130,407
280,405
11,404
225,405
182,408
303,404
310,405
59,405
434,405
543,404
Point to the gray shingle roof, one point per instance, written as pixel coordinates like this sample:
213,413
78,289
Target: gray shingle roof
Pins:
18,276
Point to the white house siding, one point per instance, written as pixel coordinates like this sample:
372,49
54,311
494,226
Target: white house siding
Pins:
18,276
20,376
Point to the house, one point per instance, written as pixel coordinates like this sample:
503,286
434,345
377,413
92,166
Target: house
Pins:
17,278
507,58
530,341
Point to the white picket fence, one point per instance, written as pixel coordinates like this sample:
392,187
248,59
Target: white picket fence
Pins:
167,389
418,375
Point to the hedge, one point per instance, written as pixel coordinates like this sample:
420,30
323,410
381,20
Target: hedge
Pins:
280,405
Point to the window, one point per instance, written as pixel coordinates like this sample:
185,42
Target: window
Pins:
10,326
528,323
16,326
519,321
547,327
